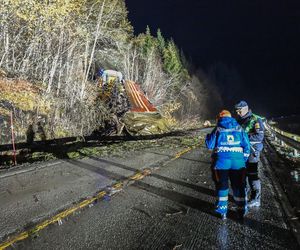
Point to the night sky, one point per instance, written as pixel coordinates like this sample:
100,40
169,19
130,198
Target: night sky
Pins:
259,38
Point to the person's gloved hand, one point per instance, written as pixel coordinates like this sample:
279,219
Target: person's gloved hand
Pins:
246,156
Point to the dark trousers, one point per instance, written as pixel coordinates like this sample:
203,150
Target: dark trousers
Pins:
236,177
254,193
238,184
252,171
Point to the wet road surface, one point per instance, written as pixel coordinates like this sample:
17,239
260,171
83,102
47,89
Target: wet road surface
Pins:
170,209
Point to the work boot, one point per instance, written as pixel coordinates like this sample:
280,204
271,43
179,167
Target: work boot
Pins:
255,194
223,216
222,205
254,203
222,211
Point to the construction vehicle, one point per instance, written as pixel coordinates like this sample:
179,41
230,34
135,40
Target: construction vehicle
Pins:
129,103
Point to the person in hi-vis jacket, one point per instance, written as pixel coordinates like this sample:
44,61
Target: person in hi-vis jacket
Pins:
231,149
254,127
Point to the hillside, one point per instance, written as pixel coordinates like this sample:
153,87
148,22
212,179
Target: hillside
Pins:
51,52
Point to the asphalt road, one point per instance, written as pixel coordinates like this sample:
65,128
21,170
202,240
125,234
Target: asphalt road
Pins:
170,209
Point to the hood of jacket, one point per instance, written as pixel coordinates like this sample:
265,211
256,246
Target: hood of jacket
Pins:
227,122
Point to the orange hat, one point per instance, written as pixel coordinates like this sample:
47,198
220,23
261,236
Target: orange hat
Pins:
224,113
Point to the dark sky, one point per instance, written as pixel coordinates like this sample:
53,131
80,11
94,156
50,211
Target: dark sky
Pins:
260,38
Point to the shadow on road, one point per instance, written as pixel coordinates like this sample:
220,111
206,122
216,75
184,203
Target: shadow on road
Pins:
113,163
200,189
97,170
271,231
181,157
277,234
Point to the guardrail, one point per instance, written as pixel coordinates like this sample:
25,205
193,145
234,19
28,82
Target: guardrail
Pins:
283,137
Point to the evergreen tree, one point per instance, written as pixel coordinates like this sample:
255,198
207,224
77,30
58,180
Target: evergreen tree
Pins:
161,41
172,62
149,42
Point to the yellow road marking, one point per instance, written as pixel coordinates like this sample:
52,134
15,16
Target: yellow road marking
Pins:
185,151
118,186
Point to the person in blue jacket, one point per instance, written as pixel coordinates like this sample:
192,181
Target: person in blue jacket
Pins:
254,127
231,149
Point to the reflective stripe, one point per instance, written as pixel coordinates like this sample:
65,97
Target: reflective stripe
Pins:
223,198
229,130
246,155
255,142
229,149
230,143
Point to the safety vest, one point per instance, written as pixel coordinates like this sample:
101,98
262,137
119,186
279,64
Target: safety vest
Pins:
250,125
